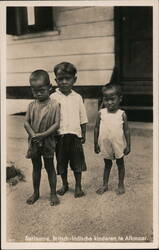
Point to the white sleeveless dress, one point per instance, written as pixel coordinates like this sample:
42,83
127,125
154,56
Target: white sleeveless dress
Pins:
111,134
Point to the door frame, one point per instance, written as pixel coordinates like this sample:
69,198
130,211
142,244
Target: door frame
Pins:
117,35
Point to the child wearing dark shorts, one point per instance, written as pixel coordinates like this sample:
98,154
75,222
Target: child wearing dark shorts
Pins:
41,123
72,131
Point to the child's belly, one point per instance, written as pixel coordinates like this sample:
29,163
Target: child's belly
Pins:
111,133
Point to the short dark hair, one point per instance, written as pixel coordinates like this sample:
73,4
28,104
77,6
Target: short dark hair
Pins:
65,67
40,73
115,86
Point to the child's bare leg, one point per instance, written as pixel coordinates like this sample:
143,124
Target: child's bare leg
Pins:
78,189
64,188
36,175
121,173
49,166
107,169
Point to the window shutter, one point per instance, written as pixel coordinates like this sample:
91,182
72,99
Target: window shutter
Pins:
44,18
16,20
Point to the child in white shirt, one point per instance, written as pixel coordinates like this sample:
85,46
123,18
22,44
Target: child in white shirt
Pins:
72,131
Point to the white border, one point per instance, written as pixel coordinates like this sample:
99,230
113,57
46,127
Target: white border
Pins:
83,3
66,245
156,121
3,120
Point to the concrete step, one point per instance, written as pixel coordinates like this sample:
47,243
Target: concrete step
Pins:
136,128
141,128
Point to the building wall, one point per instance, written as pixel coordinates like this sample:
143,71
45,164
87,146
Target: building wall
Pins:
84,36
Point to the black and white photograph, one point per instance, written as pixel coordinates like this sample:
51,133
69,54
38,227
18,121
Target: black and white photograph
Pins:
84,175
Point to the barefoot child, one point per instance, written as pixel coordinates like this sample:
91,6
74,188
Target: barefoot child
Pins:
72,129
41,124
112,135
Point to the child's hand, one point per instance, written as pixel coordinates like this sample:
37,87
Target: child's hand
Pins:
96,148
37,138
83,139
127,150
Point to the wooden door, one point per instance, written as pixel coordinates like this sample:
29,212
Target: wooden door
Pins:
134,57
134,47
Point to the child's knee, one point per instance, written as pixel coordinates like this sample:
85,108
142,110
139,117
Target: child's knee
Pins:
37,167
49,168
48,163
120,162
37,163
108,163
37,171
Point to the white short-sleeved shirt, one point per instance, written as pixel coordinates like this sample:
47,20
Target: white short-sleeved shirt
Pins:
73,112
111,134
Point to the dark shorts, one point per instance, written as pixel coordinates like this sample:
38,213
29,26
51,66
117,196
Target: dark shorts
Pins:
35,151
69,150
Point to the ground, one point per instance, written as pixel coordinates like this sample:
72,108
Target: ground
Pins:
109,215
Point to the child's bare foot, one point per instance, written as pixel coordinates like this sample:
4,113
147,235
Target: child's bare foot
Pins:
54,201
63,190
32,199
79,192
102,190
120,190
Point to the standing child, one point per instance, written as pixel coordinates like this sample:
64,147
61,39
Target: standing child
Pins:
112,135
72,129
41,124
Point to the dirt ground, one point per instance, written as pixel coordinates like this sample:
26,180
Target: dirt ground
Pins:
100,218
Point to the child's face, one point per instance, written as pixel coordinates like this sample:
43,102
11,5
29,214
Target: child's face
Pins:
65,82
111,99
40,90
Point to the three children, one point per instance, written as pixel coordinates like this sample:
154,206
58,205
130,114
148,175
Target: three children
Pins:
63,116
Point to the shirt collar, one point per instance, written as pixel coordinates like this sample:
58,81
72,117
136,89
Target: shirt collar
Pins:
60,93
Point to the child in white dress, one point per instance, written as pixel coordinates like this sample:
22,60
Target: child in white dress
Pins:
112,135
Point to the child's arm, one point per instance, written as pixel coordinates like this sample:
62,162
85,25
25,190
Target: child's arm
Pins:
83,120
29,129
40,136
83,130
127,134
96,134
27,125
